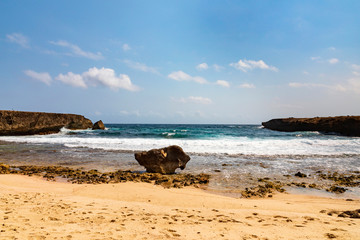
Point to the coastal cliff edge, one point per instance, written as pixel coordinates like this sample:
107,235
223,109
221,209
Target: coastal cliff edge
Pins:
343,125
13,123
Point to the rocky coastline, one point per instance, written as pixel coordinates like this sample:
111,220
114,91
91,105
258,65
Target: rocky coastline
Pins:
265,187
342,125
80,176
15,123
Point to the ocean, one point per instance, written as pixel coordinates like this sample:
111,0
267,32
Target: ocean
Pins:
235,155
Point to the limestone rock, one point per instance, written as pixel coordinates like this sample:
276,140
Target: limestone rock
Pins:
99,125
164,160
29,123
343,125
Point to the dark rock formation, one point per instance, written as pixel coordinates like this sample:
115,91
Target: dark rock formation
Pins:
344,214
300,175
343,125
164,160
29,123
80,176
99,125
4,168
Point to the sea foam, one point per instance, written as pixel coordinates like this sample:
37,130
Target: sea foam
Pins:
226,145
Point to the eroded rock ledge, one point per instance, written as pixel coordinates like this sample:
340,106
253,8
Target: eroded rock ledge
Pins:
343,125
14,123
53,173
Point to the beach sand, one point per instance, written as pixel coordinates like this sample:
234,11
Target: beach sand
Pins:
32,208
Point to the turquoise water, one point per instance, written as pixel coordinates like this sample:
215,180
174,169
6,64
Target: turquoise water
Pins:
233,154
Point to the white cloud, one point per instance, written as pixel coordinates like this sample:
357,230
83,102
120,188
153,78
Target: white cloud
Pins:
181,76
248,65
192,99
355,67
217,68
320,60
306,73
107,78
354,85
333,60
337,87
126,47
315,58
140,66
356,73
222,83
18,38
95,76
247,85
331,48
201,100
205,66
202,66
42,76
77,51
75,80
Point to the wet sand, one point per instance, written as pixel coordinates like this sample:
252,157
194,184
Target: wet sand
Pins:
32,208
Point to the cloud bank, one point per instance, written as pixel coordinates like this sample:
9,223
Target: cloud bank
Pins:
336,87
93,77
181,76
72,79
249,65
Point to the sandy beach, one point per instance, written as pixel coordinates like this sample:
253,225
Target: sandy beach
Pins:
32,208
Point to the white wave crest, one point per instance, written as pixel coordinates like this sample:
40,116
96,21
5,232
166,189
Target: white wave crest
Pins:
241,145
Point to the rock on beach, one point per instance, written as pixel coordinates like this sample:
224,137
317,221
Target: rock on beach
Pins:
165,160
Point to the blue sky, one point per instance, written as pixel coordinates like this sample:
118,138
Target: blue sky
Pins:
181,61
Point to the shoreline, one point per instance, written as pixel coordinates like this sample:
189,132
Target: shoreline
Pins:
32,207
326,184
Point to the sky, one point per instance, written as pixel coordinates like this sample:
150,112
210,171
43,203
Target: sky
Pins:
183,62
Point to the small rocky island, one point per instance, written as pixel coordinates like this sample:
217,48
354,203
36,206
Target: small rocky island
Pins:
13,123
343,125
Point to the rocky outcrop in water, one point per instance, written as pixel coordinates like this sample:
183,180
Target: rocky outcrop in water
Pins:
343,125
164,160
99,125
30,123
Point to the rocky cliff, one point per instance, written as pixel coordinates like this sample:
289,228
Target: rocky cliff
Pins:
343,125
29,123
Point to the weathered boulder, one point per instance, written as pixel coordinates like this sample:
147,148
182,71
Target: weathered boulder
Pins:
99,125
343,125
29,123
164,160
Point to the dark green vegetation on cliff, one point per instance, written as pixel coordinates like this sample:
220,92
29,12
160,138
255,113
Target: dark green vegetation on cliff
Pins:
343,125
28,123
